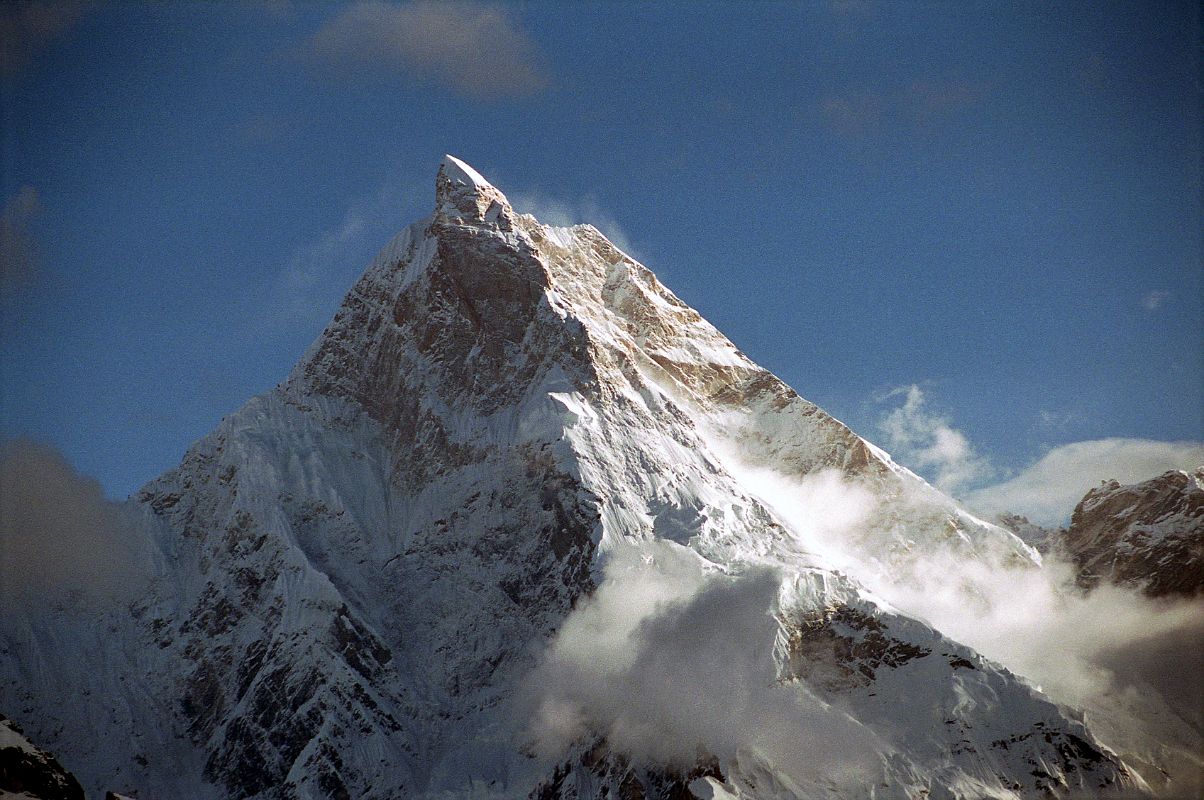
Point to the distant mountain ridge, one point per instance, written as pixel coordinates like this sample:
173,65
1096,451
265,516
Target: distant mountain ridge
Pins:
1148,535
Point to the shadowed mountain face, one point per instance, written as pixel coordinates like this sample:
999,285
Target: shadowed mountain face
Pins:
373,580
27,771
1148,535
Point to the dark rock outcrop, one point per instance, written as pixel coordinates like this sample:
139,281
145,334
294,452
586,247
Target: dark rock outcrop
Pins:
1148,535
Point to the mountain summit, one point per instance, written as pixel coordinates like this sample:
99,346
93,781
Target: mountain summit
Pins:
460,190
521,523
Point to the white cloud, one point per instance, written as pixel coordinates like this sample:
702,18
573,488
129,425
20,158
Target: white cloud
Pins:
471,48
854,115
312,262
1050,420
1091,651
1124,659
671,660
320,271
1154,300
927,442
1048,491
565,213
823,511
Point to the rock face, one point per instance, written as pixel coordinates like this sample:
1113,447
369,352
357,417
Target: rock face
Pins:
1147,535
28,772
358,571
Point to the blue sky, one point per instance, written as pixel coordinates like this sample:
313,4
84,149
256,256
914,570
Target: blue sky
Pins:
972,231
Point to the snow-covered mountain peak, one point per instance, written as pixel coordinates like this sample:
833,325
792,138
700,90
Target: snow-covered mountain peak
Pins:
505,425
463,193
482,308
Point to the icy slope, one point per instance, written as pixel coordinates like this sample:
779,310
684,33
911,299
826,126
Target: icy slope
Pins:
359,572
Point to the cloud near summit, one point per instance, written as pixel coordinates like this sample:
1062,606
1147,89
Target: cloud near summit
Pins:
1048,490
1045,491
928,441
471,48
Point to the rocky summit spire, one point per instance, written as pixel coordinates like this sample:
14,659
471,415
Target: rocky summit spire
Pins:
461,193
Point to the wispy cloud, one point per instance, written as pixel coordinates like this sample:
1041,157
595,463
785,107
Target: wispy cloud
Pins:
1047,491
26,28
1049,420
477,50
310,279
1113,653
1153,301
853,114
928,100
312,262
18,251
562,213
928,442
319,271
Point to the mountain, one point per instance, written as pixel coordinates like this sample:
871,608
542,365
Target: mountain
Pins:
522,523
1149,535
1039,537
1139,546
28,772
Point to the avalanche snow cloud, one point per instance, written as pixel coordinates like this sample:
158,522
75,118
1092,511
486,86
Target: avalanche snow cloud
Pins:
1095,651
521,523
671,662
60,540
